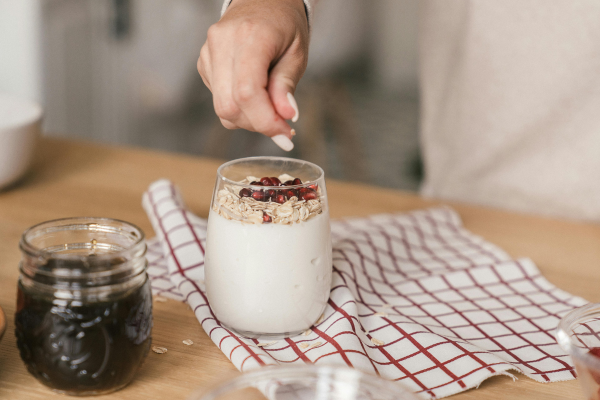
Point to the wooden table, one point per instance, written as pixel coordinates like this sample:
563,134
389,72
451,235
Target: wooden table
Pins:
78,179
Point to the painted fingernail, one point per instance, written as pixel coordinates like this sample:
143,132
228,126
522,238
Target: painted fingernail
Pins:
294,105
284,142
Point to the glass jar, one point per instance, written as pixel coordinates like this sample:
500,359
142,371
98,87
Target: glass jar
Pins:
306,382
578,334
84,305
268,251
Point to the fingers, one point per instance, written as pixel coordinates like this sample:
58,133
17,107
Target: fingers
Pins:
282,84
203,66
249,91
228,124
252,61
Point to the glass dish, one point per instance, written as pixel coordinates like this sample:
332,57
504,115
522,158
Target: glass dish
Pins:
307,382
268,250
578,333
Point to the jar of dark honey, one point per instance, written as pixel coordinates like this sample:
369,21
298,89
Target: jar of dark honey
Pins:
84,304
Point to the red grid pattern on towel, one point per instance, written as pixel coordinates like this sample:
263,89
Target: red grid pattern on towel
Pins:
586,334
450,308
159,273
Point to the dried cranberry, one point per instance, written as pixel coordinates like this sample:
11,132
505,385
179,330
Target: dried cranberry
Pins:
288,183
266,218
245,192
258,195
280,198
291,193
276,181
311,195
297,181
266,181
269,194
255,183
314,186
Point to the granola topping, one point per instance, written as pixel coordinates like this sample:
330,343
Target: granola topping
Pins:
285,206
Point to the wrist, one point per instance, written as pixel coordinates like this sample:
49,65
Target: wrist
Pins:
298,5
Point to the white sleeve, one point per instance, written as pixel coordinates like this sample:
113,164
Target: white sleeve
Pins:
308,4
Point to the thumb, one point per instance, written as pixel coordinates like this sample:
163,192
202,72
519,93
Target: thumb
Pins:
282,84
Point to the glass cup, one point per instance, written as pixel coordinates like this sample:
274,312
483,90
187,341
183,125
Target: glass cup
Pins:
268,251
84,306
308,382
578,333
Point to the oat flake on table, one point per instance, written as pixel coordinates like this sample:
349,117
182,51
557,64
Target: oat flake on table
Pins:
159,350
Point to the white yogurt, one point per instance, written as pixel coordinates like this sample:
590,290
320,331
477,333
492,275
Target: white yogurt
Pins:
268,279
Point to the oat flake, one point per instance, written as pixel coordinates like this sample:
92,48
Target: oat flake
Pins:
188,342
267,344
159,350
377,342
312,346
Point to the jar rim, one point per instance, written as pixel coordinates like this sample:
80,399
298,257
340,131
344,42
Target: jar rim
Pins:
30,249
220,176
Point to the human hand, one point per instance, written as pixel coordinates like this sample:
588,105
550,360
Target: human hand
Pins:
252,61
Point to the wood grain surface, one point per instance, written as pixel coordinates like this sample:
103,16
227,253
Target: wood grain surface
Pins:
2,323
82,179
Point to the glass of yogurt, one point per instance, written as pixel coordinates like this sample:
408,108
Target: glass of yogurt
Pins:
268,251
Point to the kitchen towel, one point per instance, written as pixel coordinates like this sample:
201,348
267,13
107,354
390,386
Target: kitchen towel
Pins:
415,298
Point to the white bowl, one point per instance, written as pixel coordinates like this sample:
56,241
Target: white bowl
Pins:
20,122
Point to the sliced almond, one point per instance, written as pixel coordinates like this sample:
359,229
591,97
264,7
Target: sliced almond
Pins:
377,342
307,332
188,342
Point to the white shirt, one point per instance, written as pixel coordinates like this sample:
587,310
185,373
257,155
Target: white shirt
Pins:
510,104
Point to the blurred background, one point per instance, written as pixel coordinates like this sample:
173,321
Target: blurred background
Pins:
124,72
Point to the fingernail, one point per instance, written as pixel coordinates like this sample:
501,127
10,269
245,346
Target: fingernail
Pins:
294,105
284,142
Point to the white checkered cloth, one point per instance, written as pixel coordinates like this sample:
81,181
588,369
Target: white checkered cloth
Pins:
450,309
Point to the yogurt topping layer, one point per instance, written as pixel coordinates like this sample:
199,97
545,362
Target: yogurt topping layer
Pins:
268,200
